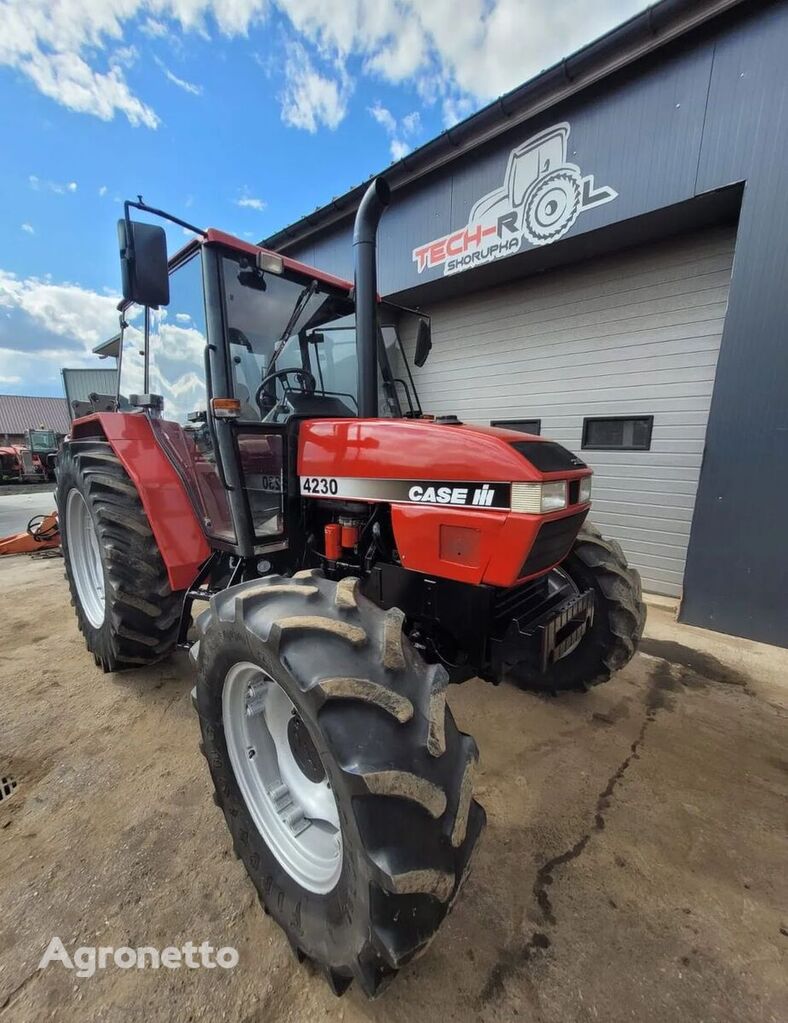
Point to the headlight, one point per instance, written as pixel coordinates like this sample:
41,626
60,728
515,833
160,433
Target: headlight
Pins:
538,498
553,496
584,494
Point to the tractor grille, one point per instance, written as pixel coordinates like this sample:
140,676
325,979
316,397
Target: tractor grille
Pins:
552,543
527,601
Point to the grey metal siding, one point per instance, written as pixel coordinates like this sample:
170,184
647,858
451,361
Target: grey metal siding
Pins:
79,384
634,334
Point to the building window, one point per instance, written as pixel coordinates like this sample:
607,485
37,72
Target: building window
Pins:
618,433
521,425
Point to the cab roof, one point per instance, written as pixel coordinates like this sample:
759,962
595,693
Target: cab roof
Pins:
213,236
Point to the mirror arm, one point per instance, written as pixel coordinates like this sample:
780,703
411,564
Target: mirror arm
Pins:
122,322
141,205
146,364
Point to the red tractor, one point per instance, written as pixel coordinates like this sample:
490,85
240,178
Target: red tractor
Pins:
354,555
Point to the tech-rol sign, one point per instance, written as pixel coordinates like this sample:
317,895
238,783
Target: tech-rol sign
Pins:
541,197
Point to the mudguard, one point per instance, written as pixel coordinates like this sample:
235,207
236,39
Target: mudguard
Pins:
173,520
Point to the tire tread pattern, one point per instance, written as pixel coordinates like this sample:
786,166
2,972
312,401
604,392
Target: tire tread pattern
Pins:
406,776
142,611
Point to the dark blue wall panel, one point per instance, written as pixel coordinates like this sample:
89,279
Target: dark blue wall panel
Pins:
737,571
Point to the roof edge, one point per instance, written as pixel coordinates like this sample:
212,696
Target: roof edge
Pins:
657,25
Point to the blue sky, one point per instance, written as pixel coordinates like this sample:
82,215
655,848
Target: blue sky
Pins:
241,114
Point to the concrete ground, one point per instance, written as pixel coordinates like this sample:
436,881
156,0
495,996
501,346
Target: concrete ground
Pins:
17,508
633,867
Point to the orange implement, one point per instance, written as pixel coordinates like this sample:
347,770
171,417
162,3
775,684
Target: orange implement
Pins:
38,536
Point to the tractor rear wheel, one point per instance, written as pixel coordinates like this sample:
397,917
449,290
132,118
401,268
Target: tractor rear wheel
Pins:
600,565
343,779
125,607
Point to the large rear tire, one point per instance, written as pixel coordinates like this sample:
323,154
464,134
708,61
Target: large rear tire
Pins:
370,730
600,565
123,601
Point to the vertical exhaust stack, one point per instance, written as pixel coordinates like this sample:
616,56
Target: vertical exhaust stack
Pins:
370,210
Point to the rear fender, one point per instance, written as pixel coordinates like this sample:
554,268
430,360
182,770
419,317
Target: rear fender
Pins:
175,525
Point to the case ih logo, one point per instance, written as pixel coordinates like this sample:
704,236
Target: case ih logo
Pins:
542,196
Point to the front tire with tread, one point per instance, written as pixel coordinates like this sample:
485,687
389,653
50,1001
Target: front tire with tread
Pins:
598,564
400,770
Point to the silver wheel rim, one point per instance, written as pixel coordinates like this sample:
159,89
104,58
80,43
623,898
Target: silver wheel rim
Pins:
85,558
296,816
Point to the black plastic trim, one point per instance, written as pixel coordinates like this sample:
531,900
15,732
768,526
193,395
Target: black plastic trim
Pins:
547,456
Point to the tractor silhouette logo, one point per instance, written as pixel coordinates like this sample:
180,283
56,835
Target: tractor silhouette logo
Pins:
542,196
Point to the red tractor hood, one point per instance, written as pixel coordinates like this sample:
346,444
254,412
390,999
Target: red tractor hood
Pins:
420,449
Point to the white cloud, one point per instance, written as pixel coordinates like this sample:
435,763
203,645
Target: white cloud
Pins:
459,55
102,191
62,47
28,228
58,187
456,108
398,131
66,310
154,28
310,99
398,149
74,51
249,202
52,325
69,80
411,123
190,87
384,117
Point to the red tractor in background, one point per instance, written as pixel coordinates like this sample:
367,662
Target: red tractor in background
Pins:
354,555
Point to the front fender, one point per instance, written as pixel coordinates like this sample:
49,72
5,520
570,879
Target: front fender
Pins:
172,518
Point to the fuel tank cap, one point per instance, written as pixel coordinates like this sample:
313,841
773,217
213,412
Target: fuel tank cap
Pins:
447,421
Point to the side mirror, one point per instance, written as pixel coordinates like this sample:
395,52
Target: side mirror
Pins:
143,263
423,343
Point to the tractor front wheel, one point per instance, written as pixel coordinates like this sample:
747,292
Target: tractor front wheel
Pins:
125,607
597,564
343,779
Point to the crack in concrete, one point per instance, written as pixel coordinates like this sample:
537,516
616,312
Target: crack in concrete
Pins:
511,960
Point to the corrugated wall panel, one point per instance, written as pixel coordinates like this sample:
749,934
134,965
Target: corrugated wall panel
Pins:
79,384
634,334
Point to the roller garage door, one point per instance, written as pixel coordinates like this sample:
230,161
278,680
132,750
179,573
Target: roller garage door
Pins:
614,358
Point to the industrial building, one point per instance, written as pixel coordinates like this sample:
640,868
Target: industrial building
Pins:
603,254
20,413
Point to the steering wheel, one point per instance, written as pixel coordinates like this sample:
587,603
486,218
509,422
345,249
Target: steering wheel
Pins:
307,381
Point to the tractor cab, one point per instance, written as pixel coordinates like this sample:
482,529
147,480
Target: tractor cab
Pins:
226,347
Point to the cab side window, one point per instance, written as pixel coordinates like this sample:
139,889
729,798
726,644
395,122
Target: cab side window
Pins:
177,346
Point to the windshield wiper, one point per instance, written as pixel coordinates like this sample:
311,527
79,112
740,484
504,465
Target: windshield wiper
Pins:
298,308
301,302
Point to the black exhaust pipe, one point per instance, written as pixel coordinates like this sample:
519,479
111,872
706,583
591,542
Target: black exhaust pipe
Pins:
370,210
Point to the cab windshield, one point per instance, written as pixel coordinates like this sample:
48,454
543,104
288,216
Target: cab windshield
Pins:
277,324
